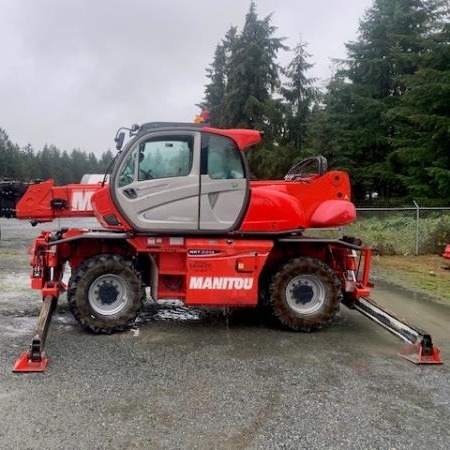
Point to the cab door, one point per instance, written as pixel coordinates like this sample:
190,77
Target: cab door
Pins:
157,184
224,187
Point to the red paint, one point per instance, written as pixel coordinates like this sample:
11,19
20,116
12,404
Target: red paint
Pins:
103,206
244,138
220,271
323,201
446,253
25,364
227,277
73,200
415,354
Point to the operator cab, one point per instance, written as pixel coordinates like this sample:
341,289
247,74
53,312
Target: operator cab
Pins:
184,178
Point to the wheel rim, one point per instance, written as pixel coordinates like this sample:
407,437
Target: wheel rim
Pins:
108,295
305,294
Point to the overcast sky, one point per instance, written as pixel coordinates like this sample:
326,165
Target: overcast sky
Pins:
73,71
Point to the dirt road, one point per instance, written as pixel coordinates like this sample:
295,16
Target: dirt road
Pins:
193,379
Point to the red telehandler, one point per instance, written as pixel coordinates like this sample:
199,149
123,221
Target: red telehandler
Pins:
181,219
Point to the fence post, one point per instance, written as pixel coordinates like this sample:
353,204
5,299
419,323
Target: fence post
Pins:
417,226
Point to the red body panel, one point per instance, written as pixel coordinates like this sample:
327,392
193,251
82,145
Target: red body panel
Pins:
104,208
332,213
214,272
203,271
229,276
286,205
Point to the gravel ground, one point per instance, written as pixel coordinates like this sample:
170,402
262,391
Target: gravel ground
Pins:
186,378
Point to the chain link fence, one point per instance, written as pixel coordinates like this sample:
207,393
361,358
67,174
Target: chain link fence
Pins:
403,230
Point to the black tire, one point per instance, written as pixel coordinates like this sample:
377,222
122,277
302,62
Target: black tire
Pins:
105,294
305,294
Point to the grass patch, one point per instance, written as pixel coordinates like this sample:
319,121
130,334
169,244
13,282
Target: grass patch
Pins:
428,274
393,237
396,234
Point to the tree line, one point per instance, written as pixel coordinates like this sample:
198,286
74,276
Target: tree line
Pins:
384,115
25,164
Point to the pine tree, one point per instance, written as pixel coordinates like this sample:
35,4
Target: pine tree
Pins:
105,161
243,77
253,74
370,83
217,73
300,94
25,164
422,119
12,164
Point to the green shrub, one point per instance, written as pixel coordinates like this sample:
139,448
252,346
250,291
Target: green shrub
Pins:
395,234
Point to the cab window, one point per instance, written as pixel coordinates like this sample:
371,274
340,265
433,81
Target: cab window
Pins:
127,172
223,159
164,157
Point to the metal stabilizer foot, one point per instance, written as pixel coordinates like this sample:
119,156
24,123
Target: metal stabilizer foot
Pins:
423,353
34,360
26,364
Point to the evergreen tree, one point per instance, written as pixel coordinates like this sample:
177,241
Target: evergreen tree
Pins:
243,77
329,124
24,164
217,73
80,164
253,74
49,159
372,81
422,120
300,94
65,175
105,161
11,162
390,42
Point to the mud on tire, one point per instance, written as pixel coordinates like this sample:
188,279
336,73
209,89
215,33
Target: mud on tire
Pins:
305,294
104,293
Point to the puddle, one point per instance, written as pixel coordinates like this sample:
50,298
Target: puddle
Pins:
173,310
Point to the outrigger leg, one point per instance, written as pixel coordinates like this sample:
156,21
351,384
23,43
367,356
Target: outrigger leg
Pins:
421,349
34,360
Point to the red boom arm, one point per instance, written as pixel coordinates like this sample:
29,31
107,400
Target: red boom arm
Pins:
44,202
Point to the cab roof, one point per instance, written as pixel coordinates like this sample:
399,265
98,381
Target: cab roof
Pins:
243,137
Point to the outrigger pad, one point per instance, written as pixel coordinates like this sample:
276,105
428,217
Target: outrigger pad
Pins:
416,355
25,364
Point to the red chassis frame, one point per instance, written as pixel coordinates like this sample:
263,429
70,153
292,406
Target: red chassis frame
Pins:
200,271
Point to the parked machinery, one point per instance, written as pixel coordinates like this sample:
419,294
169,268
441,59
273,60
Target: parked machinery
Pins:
181,218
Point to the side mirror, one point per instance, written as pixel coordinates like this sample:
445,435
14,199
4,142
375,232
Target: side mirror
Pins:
119,140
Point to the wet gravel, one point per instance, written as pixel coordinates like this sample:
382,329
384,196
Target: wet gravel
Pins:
190,378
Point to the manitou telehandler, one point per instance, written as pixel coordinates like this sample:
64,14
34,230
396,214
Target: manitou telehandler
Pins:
181,219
